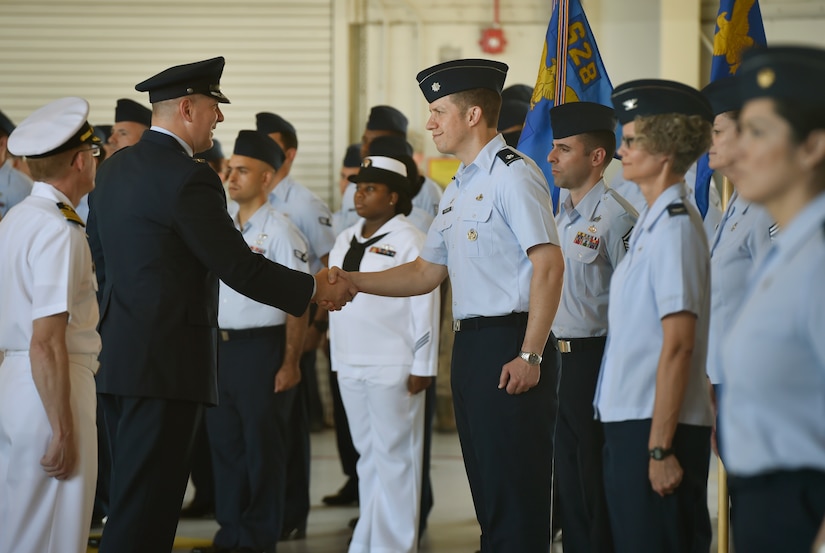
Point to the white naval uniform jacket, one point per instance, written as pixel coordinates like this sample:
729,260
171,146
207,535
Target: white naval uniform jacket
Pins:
377,330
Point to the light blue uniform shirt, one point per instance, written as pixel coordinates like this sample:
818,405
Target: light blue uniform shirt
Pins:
493,211
666,271
274,236
773,407
594,237
346,216
743,237
14,187
309,213
428,197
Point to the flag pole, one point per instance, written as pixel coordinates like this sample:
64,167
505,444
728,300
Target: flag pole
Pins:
723,500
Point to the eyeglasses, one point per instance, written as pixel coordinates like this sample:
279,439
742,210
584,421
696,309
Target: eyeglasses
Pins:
94,148
628,141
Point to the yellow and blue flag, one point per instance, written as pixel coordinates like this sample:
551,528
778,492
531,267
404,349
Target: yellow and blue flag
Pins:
571,70
738,28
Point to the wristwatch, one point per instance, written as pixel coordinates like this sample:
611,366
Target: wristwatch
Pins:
660,453
530,357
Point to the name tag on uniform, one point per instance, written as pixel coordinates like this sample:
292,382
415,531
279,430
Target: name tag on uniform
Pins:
446,210
586,240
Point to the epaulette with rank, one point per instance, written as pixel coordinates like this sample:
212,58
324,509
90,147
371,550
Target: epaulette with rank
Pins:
508,155
70,214
677,209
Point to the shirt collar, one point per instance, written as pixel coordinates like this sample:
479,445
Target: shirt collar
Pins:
46,190
186,147
281,190
484,160
804,227
257,220
587,206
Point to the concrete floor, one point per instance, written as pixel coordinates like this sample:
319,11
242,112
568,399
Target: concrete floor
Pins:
452,524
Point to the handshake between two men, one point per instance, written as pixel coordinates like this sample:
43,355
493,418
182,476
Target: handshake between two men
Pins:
332,289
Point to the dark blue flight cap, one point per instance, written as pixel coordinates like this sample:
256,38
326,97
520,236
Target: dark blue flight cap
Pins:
387,118
521,92
5,124
723,95
460,75
200,77
103,132
575,118
391,146
215,153
259,146
352,158
512,114
269,123
129,110
792,73
658,97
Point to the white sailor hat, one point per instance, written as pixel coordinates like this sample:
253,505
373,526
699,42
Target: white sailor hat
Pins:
56,127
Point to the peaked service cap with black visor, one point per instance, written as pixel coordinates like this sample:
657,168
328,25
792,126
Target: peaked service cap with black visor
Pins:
56,127
645,97
460,75
200,77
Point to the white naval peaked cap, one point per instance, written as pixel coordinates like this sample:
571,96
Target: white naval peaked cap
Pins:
54,128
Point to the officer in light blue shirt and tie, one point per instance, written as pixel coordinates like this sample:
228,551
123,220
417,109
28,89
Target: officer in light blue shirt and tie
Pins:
594,225
773,358
652,394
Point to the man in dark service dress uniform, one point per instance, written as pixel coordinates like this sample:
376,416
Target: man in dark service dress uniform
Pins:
160,223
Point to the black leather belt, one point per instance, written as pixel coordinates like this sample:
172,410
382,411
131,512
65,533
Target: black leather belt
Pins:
570,345
227,334
477,323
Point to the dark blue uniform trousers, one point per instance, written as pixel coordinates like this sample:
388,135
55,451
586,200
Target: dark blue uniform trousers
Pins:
248,436
296,509
579,444
778,511
642,520
506,440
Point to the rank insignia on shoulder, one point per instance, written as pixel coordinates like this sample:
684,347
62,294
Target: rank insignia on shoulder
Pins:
677,209
325,221
508,156
386,249
774,230
70,214
301,255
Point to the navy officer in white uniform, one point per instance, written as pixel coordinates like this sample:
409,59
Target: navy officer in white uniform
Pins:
652,393
48,441
495,237
594,224
773,358
260,347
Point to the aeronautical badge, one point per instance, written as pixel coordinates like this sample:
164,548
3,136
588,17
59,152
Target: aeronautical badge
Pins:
325,221
508,156
70,214
677,209
626,239
472,235
301,255
384,249
587,240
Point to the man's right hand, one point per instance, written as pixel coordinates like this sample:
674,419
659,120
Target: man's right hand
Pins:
332,289
60,458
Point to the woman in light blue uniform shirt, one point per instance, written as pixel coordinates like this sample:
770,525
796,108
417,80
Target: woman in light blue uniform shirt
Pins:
652,393
773,358
743,235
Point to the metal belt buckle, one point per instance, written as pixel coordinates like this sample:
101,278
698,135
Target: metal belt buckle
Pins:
564,346
456,325
224,335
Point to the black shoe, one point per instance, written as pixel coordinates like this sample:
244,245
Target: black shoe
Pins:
198,509
347,495
294,533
